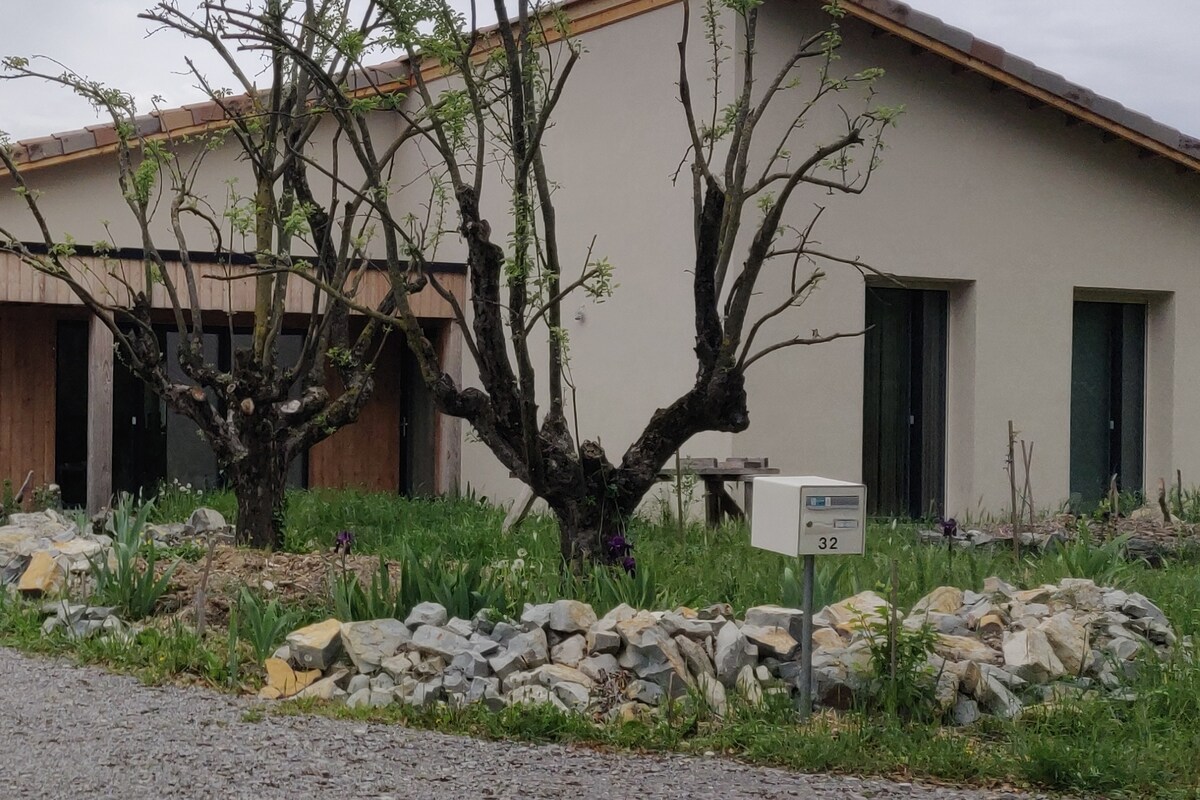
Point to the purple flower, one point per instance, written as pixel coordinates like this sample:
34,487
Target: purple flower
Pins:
618,547
949,526
342,542
629,565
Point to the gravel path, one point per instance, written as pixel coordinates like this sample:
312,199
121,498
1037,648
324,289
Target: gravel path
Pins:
69,732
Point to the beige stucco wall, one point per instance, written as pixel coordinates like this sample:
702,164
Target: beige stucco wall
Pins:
977,187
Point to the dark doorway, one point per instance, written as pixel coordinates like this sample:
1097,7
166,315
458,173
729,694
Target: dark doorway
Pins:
139,449
417,428
152,444
71,407
904,401
1108,371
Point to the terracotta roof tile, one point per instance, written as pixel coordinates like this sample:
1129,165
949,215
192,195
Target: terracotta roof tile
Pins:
1080,95
1189,145
42,147
74,141
147,125
1019,67
1024,70
205,112
986,51
1124,122
104,134
174,118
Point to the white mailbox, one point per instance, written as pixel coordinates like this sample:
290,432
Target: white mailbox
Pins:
809,516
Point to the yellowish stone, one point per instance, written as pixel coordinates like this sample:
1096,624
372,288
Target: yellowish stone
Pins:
285,680
78,547
965,648
827,638
944,600
316,645
42,577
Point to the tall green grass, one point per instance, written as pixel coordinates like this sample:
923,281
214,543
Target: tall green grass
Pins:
1098,746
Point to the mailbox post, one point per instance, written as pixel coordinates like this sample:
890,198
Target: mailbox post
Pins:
808,516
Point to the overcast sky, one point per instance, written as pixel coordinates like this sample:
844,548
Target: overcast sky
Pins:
1143,54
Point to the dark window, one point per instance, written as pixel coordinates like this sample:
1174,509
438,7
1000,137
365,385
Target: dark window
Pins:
1107,398
904,401
152,444
71,411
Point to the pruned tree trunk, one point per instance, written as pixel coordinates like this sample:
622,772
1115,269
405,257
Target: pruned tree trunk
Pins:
583,531
259,482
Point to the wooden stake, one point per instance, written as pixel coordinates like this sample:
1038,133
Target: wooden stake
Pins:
1012,484
679,497
1162,501
895,591
202,588
1027,458
20,495
1179,493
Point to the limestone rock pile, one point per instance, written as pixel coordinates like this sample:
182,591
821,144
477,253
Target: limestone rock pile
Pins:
996,651
38,552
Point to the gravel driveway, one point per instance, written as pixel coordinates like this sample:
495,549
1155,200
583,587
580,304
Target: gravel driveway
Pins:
68,732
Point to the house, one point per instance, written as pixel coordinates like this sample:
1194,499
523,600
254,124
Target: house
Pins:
1045,242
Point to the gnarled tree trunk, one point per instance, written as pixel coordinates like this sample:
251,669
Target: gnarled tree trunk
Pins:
259,481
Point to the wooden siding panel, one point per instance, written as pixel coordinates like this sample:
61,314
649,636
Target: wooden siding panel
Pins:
22,284
366,455
27,393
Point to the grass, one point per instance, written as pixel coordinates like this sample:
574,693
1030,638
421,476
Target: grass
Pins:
1091,747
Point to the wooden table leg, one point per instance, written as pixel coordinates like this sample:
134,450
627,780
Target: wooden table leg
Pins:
712,501
748,499
730,506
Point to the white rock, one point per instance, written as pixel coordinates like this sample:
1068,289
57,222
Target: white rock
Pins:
574,696
439,642
599,667
533,695
569,651
427,614
603,641
369,643
1069,640
733,653
713,692
852,613
571,616
749,687
460,626
620,614
538,615
772,616
771,641
1029,655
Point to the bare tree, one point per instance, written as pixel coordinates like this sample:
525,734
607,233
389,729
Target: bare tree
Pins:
262,412
477,108
492,113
